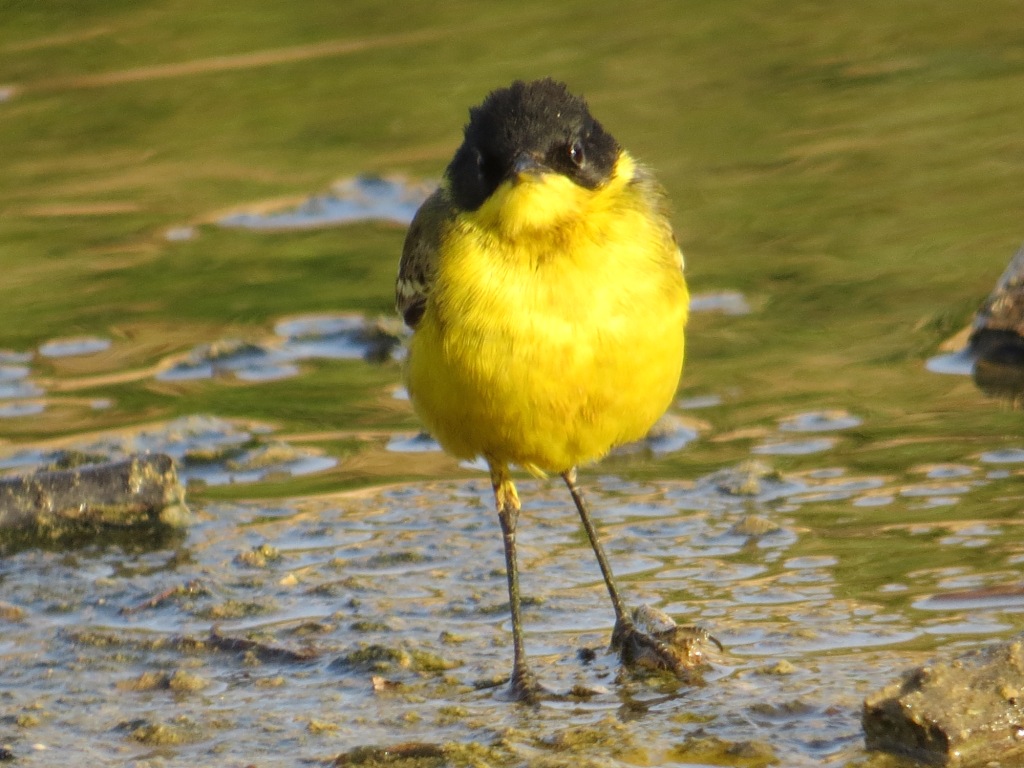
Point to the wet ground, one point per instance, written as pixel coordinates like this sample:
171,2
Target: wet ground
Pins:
299,629
200,221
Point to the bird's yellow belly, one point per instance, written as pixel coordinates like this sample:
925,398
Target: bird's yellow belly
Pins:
548,368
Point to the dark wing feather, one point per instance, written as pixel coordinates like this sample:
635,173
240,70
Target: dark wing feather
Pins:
419,257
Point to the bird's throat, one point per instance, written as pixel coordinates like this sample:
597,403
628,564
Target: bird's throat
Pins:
540,204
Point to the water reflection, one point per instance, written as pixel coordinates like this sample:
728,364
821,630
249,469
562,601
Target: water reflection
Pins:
794,447
310,337
207,451
727,302
364,198
1004,456
702,401
12,388
953,363
21,409
421,441
823,421
72,347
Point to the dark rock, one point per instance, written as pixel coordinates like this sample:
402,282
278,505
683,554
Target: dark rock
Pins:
998,332
965,712
141,490
997,336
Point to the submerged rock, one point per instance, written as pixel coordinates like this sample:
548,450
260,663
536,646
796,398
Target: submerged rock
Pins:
997,337
962,713
669,434
142,490
998,328
412,753
658,643
748,478
711,750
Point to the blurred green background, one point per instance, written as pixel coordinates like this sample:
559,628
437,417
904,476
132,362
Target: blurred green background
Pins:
854,169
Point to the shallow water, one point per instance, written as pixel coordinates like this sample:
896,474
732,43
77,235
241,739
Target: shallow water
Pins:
314,624
378,617
320,622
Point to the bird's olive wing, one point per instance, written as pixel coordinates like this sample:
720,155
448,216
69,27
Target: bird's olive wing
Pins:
419,257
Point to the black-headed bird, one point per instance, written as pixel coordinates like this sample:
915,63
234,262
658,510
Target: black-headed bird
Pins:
545,291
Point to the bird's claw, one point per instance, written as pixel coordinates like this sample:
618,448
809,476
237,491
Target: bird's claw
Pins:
524,688
665,646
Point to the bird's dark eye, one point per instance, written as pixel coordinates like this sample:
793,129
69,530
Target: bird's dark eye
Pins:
488,167
576,153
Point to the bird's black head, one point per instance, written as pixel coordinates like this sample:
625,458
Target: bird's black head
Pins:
529,126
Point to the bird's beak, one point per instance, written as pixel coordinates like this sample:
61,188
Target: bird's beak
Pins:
527,164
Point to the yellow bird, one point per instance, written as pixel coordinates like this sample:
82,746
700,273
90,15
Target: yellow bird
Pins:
545,290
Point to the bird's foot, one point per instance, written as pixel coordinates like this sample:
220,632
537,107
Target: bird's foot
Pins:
524,688
651,640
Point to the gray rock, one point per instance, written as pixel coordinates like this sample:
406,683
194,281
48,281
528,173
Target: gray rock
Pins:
960,713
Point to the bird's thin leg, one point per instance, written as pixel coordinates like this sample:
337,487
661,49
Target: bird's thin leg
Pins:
636,648
523,685
623,622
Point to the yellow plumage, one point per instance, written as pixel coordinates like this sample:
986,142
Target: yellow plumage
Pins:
546,294
554,325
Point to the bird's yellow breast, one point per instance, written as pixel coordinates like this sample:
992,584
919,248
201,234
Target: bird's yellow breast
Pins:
554,327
